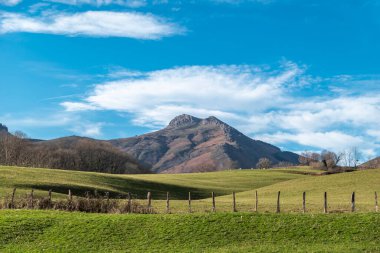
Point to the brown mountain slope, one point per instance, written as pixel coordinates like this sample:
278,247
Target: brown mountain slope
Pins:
371,164
190,144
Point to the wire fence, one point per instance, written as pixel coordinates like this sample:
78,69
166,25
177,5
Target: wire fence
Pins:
102,203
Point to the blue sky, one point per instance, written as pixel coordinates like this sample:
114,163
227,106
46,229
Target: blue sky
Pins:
303,75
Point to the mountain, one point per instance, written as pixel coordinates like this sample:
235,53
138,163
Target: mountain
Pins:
190,144
372,164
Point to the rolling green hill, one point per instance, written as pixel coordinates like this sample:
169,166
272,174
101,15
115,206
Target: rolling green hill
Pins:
200,184
339,188
290,181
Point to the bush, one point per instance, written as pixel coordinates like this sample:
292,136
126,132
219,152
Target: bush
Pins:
78,204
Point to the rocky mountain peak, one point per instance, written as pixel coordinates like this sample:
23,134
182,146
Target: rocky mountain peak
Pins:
3,128
190,144
183,121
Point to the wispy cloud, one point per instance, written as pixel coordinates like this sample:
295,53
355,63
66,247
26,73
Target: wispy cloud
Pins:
263,102
10,2
128,3
72,122
235,2
91,23
89,129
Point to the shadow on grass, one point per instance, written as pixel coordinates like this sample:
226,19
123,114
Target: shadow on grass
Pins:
121,186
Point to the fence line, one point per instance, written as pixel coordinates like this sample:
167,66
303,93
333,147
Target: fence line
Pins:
31,200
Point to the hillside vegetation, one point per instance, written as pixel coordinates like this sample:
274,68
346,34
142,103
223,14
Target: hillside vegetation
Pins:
48,231
70,153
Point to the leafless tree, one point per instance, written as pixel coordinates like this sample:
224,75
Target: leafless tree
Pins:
330,159
11,147
306,158
264,163
74,154
352,157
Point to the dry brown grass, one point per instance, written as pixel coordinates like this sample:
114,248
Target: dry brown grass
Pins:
98,204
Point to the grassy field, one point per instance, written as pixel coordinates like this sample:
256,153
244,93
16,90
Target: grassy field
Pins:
49,231
202,231
338,186
200,184
290,181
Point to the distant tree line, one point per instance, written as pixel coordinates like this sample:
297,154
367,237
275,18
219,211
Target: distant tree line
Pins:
329,160
326,160
72,153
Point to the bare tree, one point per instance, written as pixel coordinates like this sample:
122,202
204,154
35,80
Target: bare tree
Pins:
352,157
330,159
11,147
264,163
68,153
307,158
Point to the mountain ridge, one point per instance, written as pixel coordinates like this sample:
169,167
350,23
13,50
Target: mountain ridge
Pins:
191,144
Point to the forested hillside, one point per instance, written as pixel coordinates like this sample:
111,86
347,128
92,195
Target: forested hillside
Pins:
71,153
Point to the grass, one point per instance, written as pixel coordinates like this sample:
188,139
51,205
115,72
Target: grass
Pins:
200,184
202,231
290,181
338,186
49,231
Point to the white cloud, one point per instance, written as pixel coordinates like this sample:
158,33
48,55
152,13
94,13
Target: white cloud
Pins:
265,103
375,133
72,122
91,23
224,91
77,106
128,3
10,2
14,122
236,2
88,129
334,140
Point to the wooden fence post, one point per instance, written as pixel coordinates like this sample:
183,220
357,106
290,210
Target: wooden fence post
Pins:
13,198
32,198
213,202
233,202
353,202
129,206
376,205
167,203
70,196
325,203
149,197
278,202
107,201
190,202
49,198
257,202
304,202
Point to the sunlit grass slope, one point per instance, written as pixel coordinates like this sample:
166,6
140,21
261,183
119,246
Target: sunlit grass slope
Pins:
339,188
200,184
49,231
